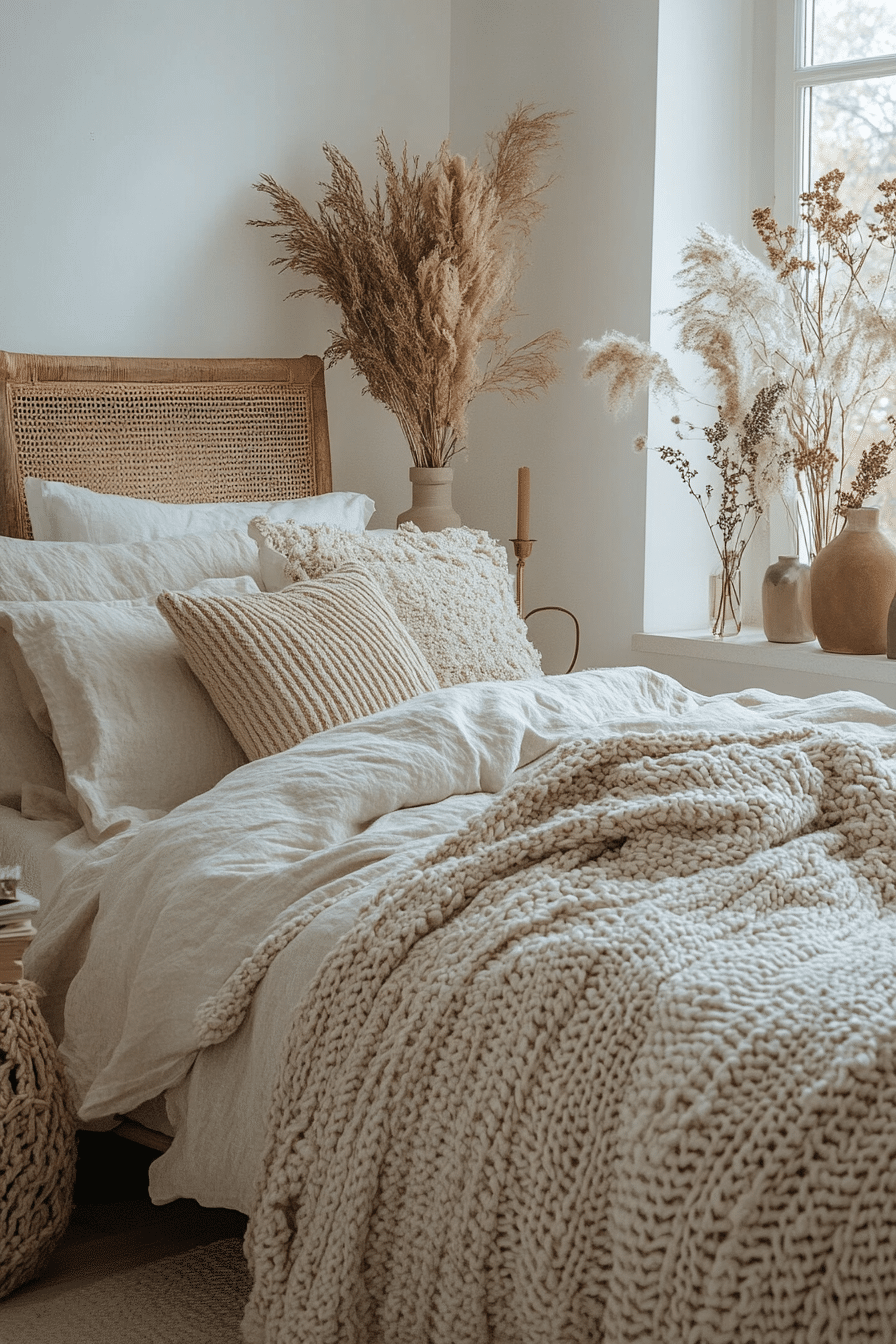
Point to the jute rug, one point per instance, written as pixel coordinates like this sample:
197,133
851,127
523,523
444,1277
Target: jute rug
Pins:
195,1298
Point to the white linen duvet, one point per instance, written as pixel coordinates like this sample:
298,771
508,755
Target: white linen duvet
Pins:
142,934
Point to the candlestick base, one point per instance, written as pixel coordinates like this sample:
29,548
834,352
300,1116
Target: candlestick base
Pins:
522,549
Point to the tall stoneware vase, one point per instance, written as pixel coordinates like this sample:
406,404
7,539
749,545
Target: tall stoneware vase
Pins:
853,584
431,508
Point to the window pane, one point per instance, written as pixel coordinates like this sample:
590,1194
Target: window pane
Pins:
852,125
847,30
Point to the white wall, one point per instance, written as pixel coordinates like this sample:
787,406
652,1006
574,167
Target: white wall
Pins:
132,135
590,270
714,164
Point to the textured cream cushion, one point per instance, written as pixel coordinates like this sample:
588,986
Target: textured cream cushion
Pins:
135,731
61,512
52,571
451,590
282,666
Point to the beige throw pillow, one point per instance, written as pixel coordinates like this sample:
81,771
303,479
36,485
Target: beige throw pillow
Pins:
282,666
451,590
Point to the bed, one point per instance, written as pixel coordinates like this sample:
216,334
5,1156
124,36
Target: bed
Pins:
521,1008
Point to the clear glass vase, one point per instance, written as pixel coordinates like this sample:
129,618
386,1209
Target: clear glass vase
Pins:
726,610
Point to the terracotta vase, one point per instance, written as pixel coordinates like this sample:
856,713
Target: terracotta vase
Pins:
853,584
787,602
431,508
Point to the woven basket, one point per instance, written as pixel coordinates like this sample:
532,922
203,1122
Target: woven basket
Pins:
37,1139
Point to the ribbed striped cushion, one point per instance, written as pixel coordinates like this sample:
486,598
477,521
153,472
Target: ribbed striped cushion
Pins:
281,666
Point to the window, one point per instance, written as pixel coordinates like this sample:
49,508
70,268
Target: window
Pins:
842,76
845,75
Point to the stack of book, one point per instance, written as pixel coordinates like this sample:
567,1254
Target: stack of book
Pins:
16,928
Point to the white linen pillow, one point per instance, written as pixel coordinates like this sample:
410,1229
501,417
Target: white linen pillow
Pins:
31,695
61,512
136,732
274,573
26,756
53,571
451,590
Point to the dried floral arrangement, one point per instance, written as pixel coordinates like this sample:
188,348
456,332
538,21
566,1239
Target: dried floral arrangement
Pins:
746,476
801,348
837,349
424,273
745,455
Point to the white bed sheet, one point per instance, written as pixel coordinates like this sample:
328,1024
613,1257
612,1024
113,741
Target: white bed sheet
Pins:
172,910
30,844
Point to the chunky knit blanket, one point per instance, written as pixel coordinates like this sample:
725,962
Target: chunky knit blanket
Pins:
614,1064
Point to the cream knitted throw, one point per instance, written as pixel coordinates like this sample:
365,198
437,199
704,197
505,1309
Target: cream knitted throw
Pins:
614,1064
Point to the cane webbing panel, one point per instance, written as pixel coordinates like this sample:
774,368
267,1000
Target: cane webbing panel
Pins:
247,441
215,430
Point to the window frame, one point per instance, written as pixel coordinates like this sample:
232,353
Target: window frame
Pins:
793,79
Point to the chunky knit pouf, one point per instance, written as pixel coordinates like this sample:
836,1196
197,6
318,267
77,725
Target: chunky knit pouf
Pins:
37,1139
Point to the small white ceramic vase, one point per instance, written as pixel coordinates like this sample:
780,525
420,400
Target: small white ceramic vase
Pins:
787,602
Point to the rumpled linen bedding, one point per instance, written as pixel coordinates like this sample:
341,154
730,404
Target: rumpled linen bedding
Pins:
613,1061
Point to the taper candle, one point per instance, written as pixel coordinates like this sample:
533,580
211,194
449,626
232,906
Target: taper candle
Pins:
522,505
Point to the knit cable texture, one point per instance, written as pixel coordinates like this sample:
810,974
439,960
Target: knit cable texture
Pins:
616,1063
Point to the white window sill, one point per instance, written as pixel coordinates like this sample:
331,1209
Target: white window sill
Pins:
712,666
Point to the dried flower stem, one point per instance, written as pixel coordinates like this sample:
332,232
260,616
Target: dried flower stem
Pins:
737,459
817,323
424,275
845,349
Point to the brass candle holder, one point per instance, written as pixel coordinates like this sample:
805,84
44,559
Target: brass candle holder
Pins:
522,549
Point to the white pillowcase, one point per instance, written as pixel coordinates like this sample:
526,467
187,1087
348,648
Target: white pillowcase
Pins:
136,732
55,571
26,756
61,512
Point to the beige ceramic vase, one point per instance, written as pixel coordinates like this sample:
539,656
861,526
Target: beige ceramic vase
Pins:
787,602
431,508
853,584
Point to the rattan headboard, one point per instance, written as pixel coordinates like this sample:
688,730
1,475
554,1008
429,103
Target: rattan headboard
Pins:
175,430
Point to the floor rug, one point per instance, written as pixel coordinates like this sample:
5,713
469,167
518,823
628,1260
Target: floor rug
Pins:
195,1298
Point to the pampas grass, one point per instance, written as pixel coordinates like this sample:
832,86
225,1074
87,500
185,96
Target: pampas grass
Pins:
744,456
424,273
816,322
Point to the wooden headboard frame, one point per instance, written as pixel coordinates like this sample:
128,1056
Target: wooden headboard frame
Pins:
175,430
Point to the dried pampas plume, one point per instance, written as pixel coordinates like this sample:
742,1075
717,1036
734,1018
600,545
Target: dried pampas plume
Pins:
628,366
424,274
805,341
